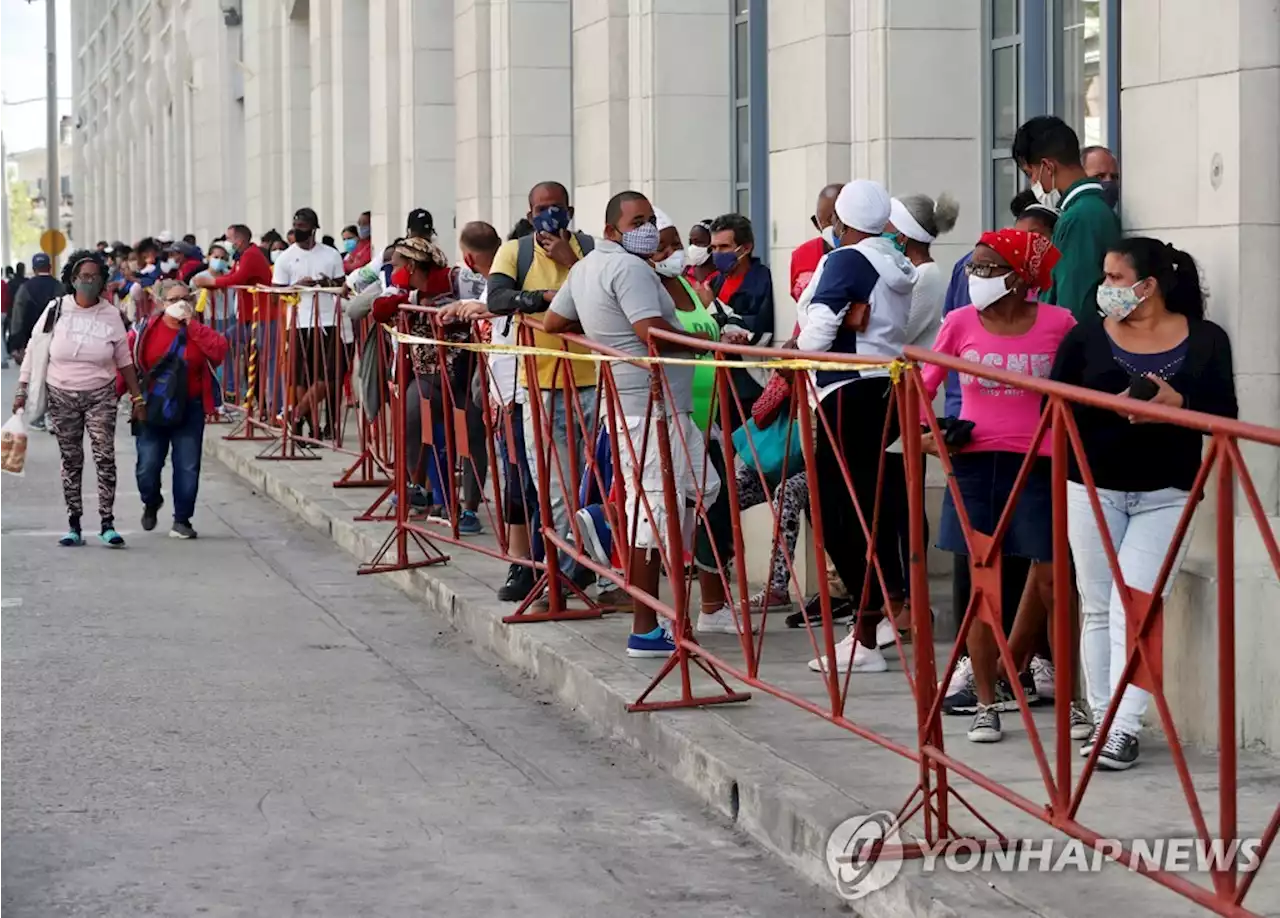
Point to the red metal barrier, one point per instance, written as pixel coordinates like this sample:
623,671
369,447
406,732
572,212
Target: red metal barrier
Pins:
667,440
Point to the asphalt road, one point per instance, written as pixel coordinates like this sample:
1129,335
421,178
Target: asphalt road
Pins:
241,726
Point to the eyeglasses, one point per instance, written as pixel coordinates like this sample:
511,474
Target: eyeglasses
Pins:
977,269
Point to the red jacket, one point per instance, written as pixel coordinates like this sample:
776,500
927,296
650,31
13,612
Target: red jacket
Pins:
804,262
251,269
205,351
360,256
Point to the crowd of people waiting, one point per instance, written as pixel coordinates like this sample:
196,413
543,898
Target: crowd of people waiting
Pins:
1060,294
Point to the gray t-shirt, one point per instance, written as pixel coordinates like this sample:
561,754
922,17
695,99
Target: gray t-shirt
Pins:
607,292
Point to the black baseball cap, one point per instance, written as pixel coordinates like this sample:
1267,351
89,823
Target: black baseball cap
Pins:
421,223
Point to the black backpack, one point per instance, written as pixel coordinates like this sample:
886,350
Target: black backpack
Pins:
166,398
524,253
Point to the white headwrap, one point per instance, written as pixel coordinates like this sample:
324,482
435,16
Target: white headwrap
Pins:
907,224
863,205
664,222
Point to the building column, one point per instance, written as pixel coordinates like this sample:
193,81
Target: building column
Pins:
472,111
295,64
601,107
1208,181
426,112
387,211
350,136
264,116
324,141
916,97
531,107
678,79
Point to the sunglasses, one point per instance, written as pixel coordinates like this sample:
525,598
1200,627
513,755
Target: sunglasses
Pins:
975,269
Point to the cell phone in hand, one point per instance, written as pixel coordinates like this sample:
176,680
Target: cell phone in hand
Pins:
1142,388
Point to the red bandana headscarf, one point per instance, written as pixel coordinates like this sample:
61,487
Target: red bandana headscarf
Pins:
1031,255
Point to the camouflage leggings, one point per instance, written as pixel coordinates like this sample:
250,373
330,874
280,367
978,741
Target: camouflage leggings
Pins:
69,414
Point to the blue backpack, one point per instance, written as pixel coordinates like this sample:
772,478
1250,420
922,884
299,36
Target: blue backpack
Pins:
166,385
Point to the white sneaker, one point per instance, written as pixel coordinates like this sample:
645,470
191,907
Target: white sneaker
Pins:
1042,673
865,659
886,634
719,622
960,678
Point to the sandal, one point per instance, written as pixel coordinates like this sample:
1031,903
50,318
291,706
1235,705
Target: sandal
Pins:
111,538
71,539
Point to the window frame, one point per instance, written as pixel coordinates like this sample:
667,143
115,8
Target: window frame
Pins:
755,103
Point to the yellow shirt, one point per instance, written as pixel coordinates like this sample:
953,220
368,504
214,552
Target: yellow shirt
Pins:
545,274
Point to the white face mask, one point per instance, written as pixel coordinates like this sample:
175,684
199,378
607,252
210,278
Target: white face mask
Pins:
1050,196
829,237
672,265
168,265
275,255
983,291
178,309
698,254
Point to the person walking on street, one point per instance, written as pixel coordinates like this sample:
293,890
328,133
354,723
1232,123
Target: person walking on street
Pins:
87,346
195,350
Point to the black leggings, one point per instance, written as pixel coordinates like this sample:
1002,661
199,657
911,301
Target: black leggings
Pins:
857,413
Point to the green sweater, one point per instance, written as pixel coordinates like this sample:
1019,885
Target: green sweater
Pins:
1086,230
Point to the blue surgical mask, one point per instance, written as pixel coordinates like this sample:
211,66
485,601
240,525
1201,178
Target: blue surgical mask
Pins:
231,248
348,245
218,265
554,220
364,231
725,261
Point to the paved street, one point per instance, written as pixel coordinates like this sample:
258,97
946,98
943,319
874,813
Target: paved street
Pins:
241,726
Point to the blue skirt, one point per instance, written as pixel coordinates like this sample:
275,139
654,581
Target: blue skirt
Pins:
985,481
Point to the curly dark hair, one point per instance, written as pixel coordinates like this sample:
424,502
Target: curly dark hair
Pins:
78,258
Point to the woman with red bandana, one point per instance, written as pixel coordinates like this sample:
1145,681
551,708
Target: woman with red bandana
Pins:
1003,329
422,276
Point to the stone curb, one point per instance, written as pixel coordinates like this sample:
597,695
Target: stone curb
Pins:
783,807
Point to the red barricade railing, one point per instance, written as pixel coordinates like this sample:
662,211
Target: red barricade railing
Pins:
867,510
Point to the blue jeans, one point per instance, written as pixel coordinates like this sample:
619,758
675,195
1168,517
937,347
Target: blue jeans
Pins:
187,440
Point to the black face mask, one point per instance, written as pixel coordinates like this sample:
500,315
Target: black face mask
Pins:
302,235
1111,193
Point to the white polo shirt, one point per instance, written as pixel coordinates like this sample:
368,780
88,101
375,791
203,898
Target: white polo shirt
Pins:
296,263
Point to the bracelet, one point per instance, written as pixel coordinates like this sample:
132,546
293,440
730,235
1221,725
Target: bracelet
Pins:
136,399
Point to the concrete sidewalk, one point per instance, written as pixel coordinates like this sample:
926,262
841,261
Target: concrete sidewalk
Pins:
788,777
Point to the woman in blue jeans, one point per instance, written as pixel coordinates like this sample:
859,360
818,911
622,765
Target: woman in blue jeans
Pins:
176,331
1155,344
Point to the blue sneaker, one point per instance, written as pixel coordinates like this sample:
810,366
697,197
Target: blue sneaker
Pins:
72,539
469,523
656,644
596,534
111,538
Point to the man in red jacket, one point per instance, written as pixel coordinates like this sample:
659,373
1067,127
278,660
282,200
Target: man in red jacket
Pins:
805,257
154,341
251,269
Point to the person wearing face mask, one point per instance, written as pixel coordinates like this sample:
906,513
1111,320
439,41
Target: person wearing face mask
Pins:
915,222
1002,328
857,304
743,284
1101,164
174,335
317,356
698,264
360,252
1154,344
524,279
616,298
1048,152
805,257
87,346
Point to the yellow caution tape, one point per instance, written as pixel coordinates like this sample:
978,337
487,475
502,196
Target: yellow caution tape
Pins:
895,368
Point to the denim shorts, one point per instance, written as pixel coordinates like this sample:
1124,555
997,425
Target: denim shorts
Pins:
985,481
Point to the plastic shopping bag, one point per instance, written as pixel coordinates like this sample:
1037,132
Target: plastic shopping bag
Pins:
13,445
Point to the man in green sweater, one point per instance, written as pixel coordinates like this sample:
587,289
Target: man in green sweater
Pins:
1048,152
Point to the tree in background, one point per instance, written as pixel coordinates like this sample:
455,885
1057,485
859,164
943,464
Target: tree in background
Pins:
24,234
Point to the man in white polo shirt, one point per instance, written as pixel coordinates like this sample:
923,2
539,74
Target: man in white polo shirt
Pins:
318,356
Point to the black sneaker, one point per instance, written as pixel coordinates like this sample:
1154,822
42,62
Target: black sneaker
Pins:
965,701
149,517
985,727
841,611
519,584
182,531
584,577
1029,689
1119,752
